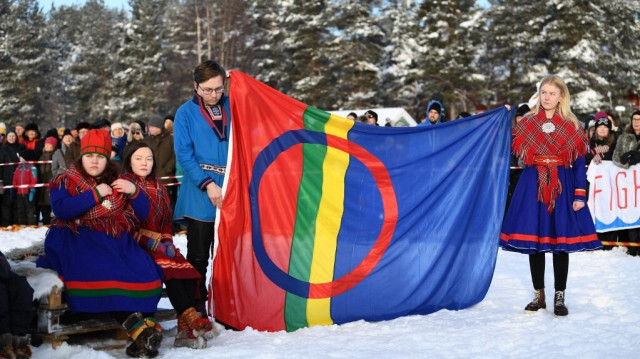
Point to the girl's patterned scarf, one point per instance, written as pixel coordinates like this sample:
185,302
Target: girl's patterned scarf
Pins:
159,219
215,116
113,215
565,143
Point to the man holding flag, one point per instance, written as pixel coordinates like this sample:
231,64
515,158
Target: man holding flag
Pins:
201,142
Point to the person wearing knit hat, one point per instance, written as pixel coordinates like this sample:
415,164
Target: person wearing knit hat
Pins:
52,141
434,113
603,142
602,118
72,153
118,140
45,175
90,242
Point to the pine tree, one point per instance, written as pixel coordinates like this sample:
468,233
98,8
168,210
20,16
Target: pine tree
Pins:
137,89
24,60
355,55
83,38
446,33
402,51
303,71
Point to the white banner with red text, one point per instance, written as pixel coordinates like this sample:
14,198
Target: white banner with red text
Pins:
614,196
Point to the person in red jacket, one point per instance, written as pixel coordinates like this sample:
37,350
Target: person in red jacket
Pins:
25,174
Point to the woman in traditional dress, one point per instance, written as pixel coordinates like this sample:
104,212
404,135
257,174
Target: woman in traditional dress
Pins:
548,212
91,247
154,234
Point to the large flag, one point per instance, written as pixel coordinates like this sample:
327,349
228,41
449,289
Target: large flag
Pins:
329,221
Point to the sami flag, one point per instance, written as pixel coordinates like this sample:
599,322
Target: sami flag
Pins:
329,221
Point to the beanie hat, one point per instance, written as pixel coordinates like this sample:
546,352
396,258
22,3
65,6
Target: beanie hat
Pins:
83,125
434,106
51,140
31,127
101,122
96,141
116,125
602,119
156,121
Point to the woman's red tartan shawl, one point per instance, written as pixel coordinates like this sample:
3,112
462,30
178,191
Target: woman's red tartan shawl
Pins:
566,142
159,221
115,221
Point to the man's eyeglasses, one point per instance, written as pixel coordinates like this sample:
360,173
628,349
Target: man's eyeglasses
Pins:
208,91
137,133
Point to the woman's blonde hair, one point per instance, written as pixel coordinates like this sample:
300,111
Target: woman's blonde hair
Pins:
564,105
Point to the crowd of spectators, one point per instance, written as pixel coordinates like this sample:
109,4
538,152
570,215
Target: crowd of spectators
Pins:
58,148
29,160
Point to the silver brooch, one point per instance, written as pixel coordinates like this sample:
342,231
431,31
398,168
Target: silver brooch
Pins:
107,204
548,127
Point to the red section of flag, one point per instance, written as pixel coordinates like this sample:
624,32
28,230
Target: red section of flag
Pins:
259,114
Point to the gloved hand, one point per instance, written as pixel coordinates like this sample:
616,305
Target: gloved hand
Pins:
167,248
625,157
32,194
634,158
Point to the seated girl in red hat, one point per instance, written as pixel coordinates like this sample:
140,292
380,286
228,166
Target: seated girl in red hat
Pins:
91,247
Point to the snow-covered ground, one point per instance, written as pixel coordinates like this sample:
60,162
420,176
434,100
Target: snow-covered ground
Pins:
603,298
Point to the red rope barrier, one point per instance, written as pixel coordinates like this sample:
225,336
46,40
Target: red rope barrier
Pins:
38,185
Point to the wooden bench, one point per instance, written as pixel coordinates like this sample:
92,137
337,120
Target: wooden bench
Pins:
56,323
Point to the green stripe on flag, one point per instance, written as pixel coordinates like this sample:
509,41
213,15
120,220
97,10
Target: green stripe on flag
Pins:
309,194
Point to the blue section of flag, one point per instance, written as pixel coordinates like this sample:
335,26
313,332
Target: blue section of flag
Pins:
451,182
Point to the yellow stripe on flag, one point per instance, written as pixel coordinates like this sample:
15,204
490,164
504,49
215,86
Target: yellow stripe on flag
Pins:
328,220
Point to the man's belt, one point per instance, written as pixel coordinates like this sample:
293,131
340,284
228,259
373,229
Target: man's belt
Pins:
213,168
548,161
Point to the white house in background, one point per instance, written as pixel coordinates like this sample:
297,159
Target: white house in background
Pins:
396,115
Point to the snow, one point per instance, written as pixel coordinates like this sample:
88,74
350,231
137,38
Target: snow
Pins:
603,298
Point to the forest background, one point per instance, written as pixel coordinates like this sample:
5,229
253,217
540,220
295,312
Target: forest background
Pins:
66,64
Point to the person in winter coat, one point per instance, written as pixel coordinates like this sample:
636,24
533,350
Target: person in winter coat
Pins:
201,143
89,244
161,143
45,175
25,175
548,211
434,113
58,164
119,140
603,143
627,154
155,236
73,151
16,312
19,129
135,135
31,137
10,154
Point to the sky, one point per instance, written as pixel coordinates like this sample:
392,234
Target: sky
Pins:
603,297
118,4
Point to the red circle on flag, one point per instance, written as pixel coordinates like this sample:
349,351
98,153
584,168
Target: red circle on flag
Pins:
389,204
